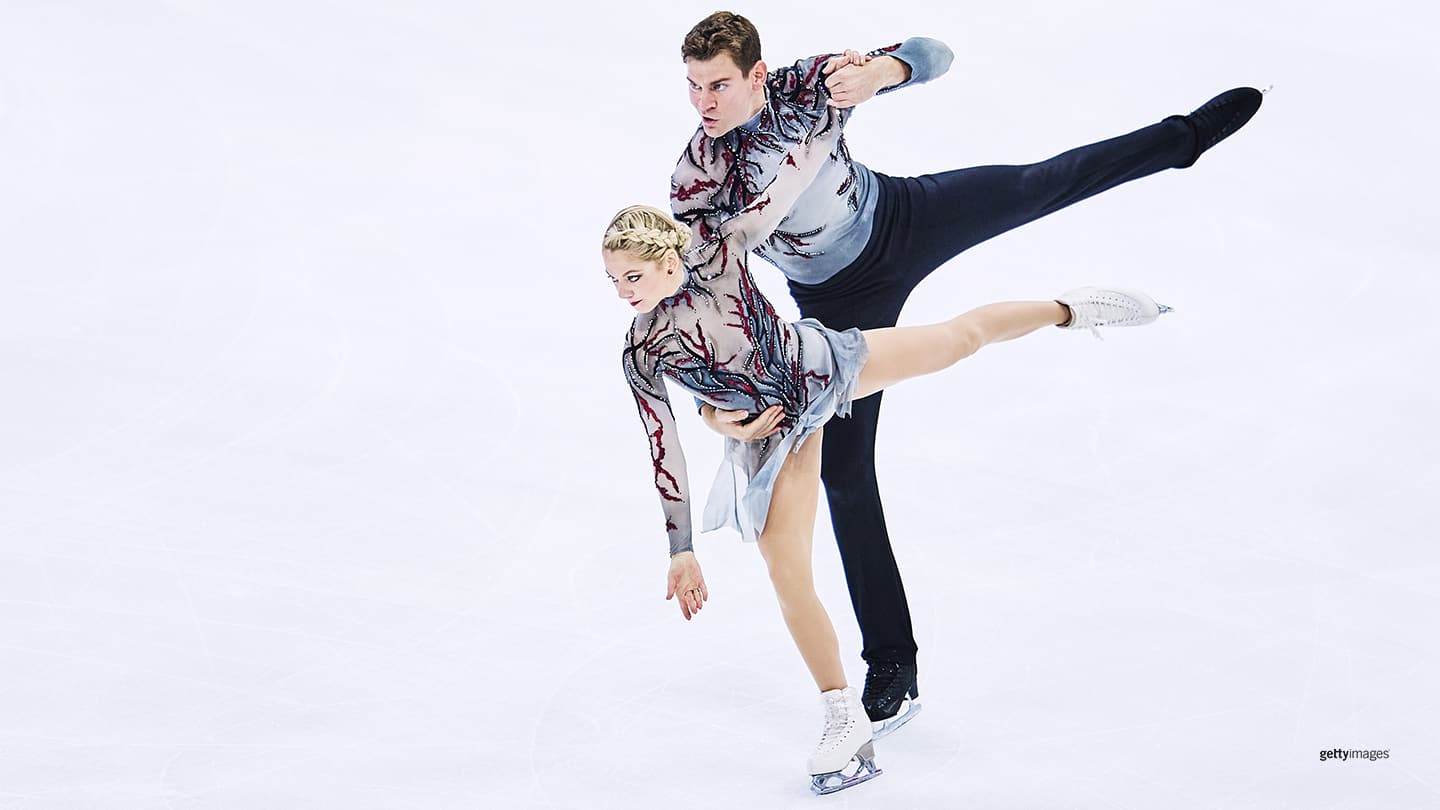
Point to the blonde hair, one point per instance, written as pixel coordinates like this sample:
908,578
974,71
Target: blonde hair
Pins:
647,232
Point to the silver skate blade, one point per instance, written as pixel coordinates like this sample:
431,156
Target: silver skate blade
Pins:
860,768
908,710
1164,309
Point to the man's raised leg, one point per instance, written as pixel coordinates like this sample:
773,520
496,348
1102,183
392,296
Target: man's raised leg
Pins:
950,212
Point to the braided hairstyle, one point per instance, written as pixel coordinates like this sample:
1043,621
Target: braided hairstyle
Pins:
646,232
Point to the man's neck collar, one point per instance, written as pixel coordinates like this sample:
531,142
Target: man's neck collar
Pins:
753,122
758,103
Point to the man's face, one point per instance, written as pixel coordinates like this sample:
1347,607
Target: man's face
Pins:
724,97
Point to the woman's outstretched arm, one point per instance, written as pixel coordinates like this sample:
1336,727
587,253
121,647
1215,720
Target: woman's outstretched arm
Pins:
684,581
666,456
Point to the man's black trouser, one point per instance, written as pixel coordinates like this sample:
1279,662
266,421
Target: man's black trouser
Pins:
921,223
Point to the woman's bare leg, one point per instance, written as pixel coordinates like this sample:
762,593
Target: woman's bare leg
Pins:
901,352
786,544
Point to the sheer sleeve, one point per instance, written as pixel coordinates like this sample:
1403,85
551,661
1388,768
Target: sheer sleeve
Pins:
756,221
803,83
666,456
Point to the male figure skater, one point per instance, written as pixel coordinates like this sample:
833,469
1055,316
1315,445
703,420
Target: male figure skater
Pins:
857,242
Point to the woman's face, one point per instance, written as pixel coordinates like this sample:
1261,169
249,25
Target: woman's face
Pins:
640,283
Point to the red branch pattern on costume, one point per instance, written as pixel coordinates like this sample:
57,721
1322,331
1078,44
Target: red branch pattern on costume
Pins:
717,178
719,337
658,455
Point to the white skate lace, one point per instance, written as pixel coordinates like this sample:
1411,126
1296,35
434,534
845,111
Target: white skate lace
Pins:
1088,311
1106,309
837,723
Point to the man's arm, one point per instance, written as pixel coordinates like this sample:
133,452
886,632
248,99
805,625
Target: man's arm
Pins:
739,234
755,222
733,424
915,61
694,190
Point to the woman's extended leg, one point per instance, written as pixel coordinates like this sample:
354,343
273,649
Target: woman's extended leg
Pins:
900,352
786,544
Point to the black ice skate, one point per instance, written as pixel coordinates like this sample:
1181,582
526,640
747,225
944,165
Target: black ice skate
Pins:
892,696
1218,118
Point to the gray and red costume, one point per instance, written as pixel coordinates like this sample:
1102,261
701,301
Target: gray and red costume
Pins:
857,242
719,338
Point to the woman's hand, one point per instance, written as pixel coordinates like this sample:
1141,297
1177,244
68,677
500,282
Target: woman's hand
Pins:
686,581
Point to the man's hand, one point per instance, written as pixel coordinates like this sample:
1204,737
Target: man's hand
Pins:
727,423
854,81
848,58
686,580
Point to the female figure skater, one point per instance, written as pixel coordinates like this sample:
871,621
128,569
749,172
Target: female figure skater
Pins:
701,322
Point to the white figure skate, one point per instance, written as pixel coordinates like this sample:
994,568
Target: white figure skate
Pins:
845,756
1094,307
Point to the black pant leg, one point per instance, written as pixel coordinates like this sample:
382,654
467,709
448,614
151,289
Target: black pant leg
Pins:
868,294
950,212
921,223
847,466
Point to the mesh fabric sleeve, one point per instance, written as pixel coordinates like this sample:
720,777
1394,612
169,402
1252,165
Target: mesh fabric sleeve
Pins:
666,456
705,188
803,83
754,224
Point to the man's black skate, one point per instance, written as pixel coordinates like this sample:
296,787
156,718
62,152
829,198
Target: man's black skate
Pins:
892,696
1218,118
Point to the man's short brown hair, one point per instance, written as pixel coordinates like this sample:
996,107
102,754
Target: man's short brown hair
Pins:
723,32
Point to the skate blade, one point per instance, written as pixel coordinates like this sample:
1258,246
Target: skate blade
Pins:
908,710
861,768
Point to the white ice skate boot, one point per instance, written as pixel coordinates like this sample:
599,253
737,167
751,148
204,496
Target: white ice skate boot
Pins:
845,756
1094,307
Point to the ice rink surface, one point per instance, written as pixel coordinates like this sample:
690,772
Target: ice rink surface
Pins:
320,486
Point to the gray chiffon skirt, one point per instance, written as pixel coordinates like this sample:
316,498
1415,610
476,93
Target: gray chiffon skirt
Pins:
740,496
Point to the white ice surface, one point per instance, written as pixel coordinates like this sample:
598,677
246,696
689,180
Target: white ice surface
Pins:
320,487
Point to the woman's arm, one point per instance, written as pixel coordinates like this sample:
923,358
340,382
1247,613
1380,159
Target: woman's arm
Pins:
666,456
683,582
